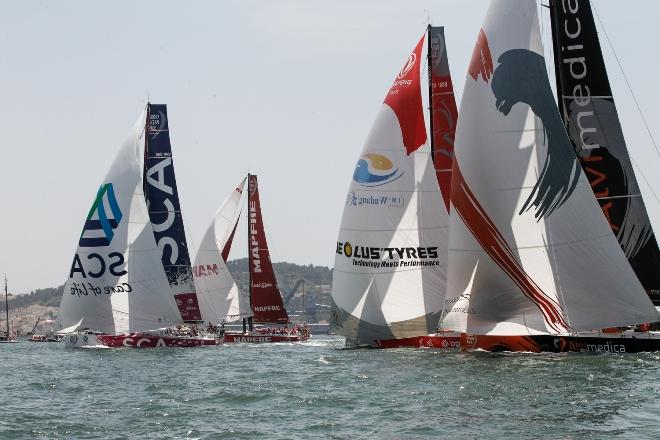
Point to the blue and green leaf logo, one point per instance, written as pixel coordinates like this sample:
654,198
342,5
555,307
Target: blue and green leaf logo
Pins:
99,227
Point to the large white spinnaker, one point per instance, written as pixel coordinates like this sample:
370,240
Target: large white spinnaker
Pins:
218,295
389,273
530,251
116,282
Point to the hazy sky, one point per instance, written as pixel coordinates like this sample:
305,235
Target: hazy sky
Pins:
285,89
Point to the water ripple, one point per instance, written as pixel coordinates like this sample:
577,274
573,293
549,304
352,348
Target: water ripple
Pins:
317,390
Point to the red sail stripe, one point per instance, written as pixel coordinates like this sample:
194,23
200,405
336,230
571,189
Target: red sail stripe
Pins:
493,243
503,260
481,63
405,99
230,240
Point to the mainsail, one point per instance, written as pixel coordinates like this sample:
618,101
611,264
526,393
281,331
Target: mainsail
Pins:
530,251
218,295
444,114
165,212
116,283
389,274
590,116
265,295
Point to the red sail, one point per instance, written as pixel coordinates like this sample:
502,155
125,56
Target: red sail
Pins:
444,114
405,99
266,299
227,247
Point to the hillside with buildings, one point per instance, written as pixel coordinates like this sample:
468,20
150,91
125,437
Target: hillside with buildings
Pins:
305,290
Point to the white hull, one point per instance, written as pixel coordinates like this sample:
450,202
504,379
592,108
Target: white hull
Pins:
80,340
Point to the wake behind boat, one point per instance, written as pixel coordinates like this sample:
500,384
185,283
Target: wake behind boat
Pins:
131,275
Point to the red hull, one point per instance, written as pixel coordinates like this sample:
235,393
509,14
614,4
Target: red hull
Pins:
426,341
151,341
259,338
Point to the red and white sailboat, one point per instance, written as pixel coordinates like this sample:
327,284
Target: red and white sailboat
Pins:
389,277
265,298
221,301
534,264
130,283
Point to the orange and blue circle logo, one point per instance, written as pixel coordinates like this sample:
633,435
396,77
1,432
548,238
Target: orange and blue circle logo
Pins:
375,169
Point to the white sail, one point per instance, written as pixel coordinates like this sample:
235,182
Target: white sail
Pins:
227,215
218,295
530,251
116,283
69,329
389,273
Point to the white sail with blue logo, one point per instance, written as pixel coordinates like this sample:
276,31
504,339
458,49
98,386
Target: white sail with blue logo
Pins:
530,251
116,282
217,293
389,273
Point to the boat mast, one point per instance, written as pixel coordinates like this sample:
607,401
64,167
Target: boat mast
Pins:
430,72
146,148
248,320
7,306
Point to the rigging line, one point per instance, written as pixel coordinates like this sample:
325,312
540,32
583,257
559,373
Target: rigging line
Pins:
655,195
639,109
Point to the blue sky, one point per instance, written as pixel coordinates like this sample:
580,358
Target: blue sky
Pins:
285,89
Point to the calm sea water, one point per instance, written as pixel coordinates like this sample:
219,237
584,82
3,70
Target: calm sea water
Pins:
318,390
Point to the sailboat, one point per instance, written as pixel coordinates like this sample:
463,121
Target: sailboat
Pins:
220,299
43,331
533,263
131,280
389,277
6,338
265,300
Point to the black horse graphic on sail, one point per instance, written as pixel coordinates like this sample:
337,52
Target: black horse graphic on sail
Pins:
521,77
